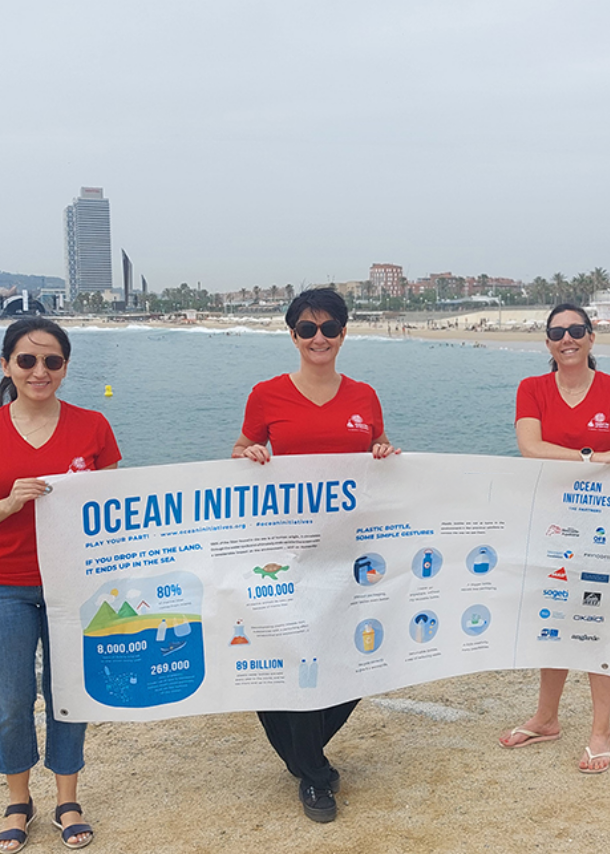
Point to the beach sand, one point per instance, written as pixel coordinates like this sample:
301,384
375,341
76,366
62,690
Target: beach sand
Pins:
421,771
518,324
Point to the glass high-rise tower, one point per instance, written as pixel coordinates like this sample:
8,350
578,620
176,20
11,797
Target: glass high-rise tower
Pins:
88,252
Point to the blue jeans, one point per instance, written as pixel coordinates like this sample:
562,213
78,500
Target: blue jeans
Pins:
23,621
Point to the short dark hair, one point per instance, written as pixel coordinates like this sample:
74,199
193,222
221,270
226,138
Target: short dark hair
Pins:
317,300
568,306
15,332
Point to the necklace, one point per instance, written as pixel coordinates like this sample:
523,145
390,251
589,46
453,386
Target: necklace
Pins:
16,418
575,390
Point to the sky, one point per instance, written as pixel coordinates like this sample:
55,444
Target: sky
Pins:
262,142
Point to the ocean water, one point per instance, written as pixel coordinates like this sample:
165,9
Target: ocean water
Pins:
179,394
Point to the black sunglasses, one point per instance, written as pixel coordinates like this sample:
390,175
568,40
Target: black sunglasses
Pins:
26,361
576,330
308,329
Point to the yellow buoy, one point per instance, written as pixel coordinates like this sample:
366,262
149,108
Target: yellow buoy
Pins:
108,391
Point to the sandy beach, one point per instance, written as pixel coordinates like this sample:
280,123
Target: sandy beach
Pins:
518,324
421,771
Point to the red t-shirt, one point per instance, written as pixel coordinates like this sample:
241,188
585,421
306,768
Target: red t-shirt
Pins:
83,441
584,426
278,413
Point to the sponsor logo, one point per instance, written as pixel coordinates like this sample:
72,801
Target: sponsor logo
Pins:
589,618
559,555
599,423
592,598
565,532
556,615
357,424
598,557
600,537
594,576
561,595
585,637
560,574
549,635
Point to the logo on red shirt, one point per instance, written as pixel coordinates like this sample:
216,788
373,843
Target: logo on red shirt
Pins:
599,422
78,464
357,424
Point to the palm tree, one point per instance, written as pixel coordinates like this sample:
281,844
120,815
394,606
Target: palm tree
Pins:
582,287
560,287
289,291
540,291
600,280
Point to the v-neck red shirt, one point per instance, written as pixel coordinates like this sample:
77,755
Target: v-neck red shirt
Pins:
277,412
82,441
586,425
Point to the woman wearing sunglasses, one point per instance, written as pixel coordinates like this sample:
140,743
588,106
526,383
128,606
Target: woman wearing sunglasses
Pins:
565,415
314,410
39,435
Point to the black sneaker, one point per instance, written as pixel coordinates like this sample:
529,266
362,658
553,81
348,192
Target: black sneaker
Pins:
335,780
318,804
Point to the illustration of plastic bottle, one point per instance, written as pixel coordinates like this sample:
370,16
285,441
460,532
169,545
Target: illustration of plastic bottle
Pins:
421,621
362,565
481,562
368,638
303,674
182,628
161,630
313,674
426,566
239,634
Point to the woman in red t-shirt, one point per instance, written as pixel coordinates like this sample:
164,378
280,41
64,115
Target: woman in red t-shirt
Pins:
565,415
39,435
314,410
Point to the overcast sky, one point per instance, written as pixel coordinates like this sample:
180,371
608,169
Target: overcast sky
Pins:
245,142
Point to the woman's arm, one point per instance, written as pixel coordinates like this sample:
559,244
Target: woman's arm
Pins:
24,489
381,448
531,444
245,447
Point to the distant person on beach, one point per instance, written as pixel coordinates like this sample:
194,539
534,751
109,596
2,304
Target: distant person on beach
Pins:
39,435
565,415
314,410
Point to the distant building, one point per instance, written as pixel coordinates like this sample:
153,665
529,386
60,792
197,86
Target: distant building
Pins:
127,278
88,255
388,278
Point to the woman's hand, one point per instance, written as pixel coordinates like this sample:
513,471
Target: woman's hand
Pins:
256,453
381,450
601,457
24,489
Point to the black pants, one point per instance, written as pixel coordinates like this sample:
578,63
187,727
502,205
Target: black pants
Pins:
299,739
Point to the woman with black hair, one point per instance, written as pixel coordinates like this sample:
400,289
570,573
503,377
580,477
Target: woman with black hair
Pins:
565,415
39,435
314,410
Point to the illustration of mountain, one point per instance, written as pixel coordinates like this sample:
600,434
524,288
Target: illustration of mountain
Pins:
127,611
104,617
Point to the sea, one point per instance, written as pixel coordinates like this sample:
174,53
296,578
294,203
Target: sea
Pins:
178,395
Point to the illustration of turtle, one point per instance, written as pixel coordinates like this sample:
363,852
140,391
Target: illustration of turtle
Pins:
270,570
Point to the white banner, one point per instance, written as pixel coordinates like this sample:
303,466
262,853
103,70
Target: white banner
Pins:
225,586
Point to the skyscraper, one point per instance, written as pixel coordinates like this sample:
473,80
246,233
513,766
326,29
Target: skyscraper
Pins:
87,243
